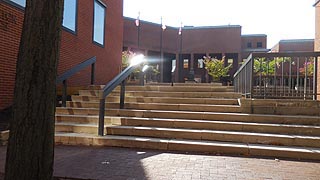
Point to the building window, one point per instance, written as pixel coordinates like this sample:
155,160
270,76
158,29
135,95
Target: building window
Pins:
249,45
70,15
99,23
20,3
200,63
259,44
230,61
173,68
186,63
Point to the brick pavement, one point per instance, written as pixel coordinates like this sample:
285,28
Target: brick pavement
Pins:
105,163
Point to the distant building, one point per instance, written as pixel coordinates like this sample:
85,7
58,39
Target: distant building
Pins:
186,50
317,39
294,45
253,43
81,39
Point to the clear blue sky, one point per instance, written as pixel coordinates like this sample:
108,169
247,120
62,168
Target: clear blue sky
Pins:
279,19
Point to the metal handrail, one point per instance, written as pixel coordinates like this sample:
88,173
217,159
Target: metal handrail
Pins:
119,79
66,75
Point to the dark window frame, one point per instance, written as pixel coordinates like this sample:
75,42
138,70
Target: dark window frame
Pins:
249,44
259,45
76,22
104,26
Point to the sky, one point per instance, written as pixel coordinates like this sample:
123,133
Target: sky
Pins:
278,19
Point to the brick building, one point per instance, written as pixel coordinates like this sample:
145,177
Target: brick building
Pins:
294,45
253,43
186,50
90,28
317,25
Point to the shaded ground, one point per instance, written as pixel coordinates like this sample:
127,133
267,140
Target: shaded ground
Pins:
5,118
106,163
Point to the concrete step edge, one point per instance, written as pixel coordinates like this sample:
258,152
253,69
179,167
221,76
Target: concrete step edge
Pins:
204,125
214,135
189,146
216,132
160,104
214,113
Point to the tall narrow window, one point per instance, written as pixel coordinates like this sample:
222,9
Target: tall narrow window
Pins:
70,15
98,23
200,63
173,65
186,63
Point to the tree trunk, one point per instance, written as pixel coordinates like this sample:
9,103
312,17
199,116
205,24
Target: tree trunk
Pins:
30,151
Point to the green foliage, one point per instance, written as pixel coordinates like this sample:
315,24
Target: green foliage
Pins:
216,68
126,55
309,66
264,67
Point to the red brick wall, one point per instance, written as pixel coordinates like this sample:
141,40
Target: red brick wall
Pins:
11,20
149,36
253,39
79,47
317,31
74,48
300,45
223,39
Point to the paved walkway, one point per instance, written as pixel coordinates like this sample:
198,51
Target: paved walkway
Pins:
105,163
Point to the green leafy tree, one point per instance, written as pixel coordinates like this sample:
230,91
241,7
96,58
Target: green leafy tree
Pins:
216,67
309,66
126,55
264,67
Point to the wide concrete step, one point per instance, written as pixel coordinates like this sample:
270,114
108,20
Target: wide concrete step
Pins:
171,100
229,117
180,88
98,87
185,84
213,147
160,106
76,128
191,124
226,136
86,119
222,126
166,94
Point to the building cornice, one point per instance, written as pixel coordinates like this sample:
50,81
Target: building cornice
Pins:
184,27
296,40
315,4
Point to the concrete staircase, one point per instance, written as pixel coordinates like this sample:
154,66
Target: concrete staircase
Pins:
187,117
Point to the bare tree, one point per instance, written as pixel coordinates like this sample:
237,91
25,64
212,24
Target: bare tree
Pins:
30,151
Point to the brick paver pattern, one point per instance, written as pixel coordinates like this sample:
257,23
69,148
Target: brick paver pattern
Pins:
105,163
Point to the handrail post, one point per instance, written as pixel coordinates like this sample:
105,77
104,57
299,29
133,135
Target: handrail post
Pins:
315,73
122,93
92,73
252,78
101,117
64,93
172,78
141,78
